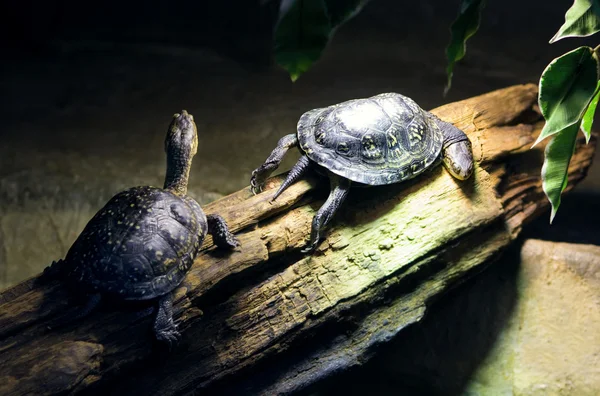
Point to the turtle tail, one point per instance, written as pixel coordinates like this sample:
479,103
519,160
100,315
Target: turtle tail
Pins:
295,173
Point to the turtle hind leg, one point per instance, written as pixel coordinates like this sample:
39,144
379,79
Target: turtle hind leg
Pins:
295,173
260,174
79,313
165,328
217,227
457,153
339,190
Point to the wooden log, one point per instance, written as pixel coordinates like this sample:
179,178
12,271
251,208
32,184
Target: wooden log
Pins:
266,319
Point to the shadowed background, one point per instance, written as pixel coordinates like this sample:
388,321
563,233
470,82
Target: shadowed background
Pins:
88,90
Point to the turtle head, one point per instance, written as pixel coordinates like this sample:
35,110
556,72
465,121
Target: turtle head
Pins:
181,144
458,159
457,153
182,135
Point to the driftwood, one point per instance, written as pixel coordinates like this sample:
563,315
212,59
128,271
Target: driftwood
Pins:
266,319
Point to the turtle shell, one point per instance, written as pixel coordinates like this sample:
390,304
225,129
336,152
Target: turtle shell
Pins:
139,246
379,140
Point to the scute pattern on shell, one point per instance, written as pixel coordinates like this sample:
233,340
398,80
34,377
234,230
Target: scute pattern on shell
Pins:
379,140
139,245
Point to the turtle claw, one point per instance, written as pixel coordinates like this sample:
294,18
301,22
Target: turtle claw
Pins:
312,246
309,249
170,337
229,240
232,241
256,184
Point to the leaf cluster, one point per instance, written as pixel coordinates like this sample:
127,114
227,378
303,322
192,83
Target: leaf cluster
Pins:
568,88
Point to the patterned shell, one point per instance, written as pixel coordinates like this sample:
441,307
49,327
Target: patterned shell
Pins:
140,245
383,139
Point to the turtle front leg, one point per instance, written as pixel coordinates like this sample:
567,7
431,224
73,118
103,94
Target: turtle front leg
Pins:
337,195
217,227
294,174
260,174
457,153
165,328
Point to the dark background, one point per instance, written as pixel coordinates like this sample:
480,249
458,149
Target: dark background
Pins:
229,26
88,89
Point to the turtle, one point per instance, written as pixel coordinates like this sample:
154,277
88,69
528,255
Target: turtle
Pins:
142,243
379,140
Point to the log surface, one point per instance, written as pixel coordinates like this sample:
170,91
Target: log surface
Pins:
266,319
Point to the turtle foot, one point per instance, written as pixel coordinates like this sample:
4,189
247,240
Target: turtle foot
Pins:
165,328
308,250
257,181
312,246
170,336
231,241
260,174
217,227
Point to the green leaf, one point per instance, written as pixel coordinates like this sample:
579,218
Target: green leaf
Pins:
304,29
558,154
567,86
465,26
582,19
301,34
588,117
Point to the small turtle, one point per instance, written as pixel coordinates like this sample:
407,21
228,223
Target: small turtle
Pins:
379,140
142,243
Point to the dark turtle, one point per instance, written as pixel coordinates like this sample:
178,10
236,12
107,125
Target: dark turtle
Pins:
379,140
142,243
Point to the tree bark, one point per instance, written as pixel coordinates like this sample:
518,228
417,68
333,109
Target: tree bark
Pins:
266,319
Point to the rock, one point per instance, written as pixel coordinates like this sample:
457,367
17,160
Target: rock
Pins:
551,344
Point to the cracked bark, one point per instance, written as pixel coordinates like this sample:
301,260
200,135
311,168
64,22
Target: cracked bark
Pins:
266,319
